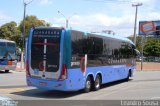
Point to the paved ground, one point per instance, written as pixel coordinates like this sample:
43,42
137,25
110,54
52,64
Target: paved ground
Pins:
145,85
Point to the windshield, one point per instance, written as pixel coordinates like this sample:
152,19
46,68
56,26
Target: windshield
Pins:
3,50
45,50
7,51
11,48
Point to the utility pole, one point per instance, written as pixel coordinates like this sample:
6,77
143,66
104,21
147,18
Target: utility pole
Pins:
135,22
66,18
24,16
67,23
23,33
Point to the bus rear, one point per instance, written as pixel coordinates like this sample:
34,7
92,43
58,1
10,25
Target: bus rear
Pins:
69,60
44,59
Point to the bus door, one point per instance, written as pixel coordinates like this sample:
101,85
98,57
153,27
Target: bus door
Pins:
45,53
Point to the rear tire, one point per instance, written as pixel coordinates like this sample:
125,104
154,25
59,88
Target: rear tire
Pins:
88,85
6,71
97,83
129,74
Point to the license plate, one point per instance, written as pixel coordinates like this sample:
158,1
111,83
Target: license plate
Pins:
43,83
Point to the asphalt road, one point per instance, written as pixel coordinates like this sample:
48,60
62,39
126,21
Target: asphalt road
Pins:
143,86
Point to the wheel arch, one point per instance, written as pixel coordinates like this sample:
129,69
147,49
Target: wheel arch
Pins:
130,72
91,75
100,74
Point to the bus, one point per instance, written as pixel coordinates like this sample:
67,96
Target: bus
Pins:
71,60
8,58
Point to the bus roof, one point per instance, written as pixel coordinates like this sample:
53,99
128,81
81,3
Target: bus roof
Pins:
118,37
5,40
44,27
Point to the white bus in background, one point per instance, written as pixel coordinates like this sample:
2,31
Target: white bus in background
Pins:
8,58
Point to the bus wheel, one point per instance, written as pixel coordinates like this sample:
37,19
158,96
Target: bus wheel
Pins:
88,84
97,83
6,71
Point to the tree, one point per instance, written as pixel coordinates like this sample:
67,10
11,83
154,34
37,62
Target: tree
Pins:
152,47
13,32
10,31
31,21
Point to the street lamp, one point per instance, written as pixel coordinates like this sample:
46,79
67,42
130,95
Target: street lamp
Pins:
66,18
135,23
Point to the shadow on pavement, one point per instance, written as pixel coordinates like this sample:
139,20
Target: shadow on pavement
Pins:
38,93
114,83
3,72
145,80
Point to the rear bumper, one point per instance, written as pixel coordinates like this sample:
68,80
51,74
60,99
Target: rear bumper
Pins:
50,84
7,67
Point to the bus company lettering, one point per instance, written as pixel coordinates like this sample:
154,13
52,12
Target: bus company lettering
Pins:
53,66
46,32
75,63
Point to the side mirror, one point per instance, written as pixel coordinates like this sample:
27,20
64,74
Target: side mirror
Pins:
137,53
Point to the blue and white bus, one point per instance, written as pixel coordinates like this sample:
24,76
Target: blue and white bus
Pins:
8,58
70,60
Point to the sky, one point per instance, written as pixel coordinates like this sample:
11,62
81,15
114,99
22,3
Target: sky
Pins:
85,15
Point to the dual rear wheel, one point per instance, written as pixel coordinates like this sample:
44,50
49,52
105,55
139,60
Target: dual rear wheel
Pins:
6,71
90,84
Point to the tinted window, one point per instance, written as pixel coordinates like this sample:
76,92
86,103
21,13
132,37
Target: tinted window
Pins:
11,48
90,45
94,50
3,50
45,48
100,50
78,47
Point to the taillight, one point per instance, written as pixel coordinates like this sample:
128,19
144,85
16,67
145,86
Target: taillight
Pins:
63,75
27,69
9,62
